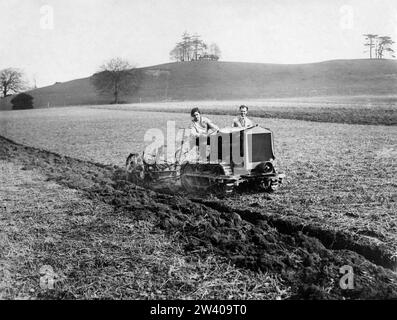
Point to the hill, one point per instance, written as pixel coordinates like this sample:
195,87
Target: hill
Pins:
210,80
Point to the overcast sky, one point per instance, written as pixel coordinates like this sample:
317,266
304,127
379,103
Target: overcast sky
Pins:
60,40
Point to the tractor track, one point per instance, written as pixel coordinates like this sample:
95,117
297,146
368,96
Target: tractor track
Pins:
305,256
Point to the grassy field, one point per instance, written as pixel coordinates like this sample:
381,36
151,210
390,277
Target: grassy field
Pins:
338,175
374,110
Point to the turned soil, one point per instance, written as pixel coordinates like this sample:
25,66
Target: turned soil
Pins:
308,258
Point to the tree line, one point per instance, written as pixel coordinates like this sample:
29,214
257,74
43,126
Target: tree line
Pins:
379,46
193,48
114,78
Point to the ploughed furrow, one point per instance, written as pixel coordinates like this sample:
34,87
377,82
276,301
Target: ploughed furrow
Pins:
303,262
332,239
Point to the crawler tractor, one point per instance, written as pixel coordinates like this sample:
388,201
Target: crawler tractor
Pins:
219,163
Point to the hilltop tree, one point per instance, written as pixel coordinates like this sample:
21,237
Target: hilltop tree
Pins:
186,45
11,81
384,45
184,50
116,77
192,48
214,50
379,44
370,42
177,53
199,47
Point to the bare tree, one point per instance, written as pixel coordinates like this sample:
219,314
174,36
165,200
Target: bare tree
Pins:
182,51
384,45
116,77
375,46
184,47
177,53
187,46
11,81
370,42
198,47
214,50
192,48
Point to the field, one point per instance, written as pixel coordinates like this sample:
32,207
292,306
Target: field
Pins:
117,257
314,86
337,205
374,110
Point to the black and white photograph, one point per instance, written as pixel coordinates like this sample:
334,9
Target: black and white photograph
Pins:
211,152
